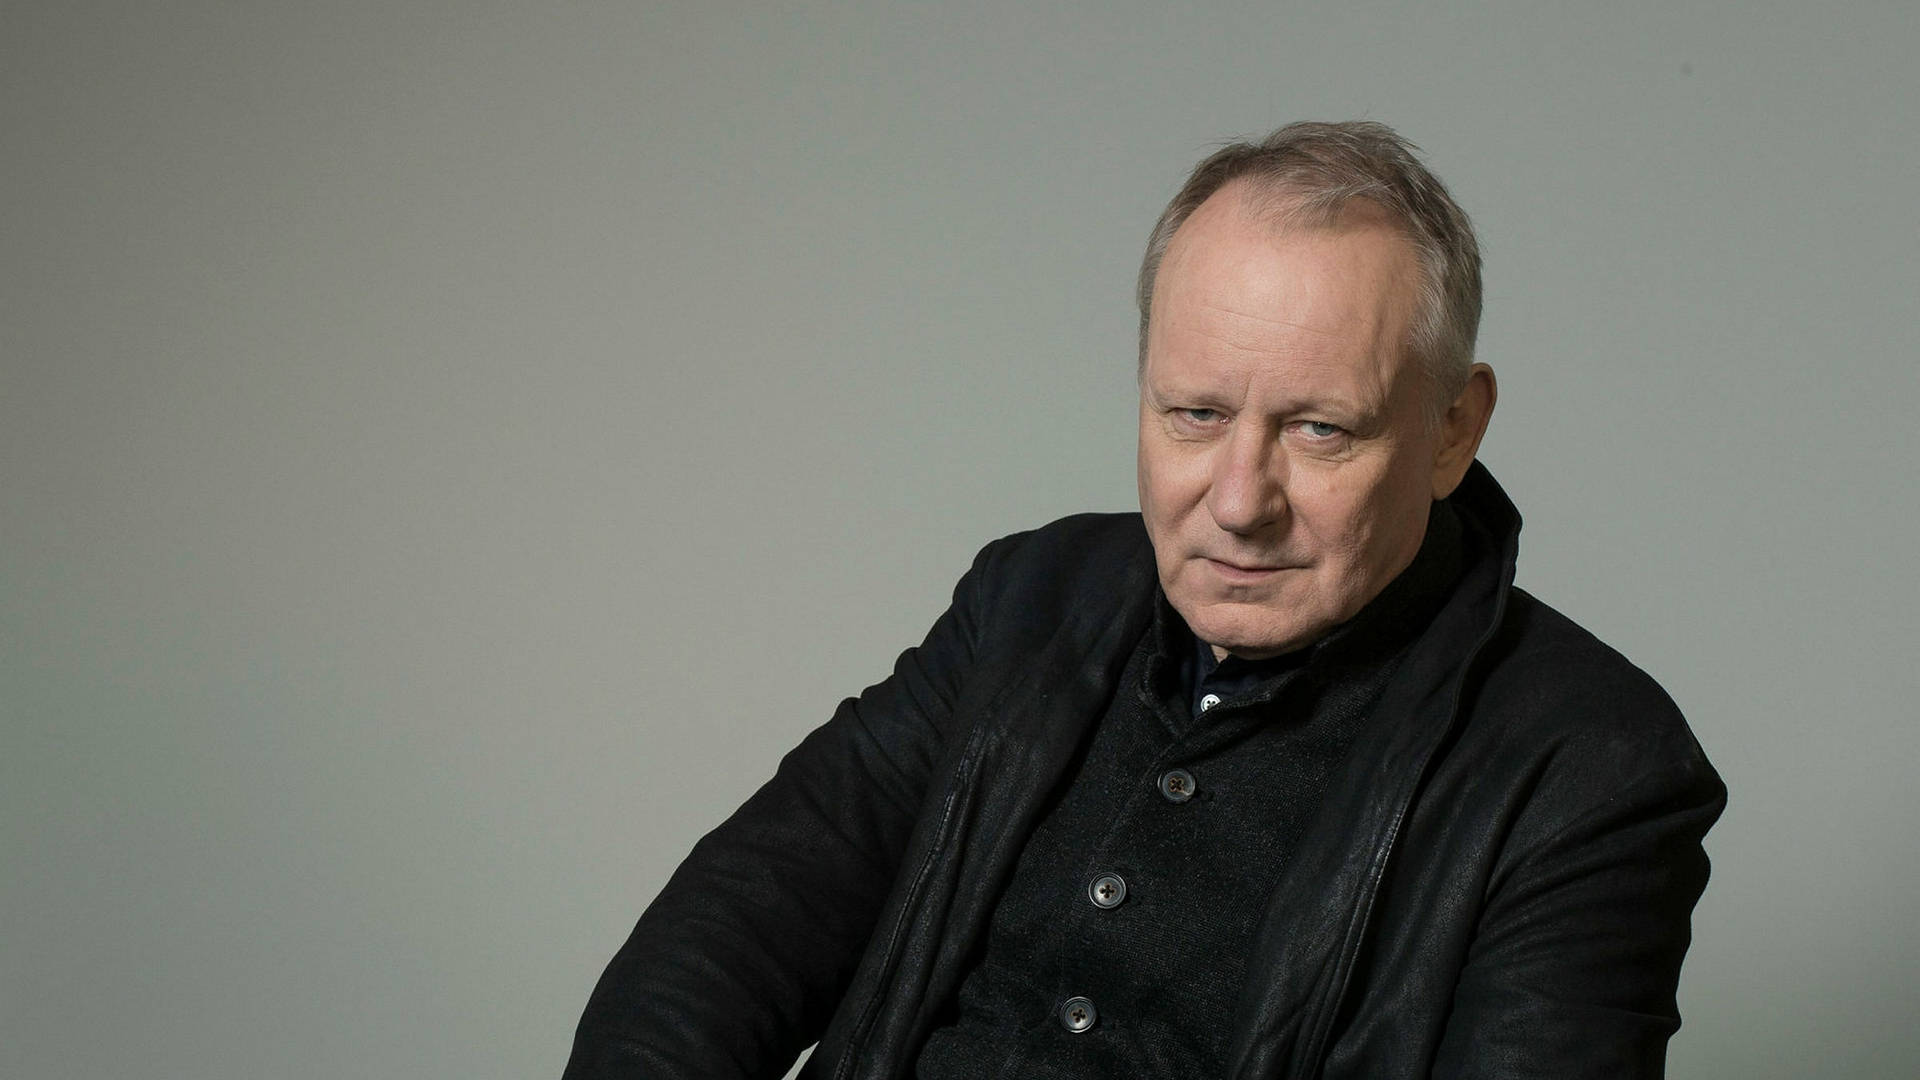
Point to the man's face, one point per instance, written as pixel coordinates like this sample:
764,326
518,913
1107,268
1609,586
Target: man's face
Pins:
1286,465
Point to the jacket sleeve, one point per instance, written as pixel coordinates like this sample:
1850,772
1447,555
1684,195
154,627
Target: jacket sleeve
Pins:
1574,963
740,960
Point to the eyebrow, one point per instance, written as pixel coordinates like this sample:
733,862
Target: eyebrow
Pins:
1352,414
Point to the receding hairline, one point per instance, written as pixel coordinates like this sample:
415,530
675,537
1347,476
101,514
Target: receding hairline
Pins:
1286,211
1314,171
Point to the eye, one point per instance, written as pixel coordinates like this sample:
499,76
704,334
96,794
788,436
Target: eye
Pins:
1200,416
1320,429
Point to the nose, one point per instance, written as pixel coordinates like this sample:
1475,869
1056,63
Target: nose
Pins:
1248,491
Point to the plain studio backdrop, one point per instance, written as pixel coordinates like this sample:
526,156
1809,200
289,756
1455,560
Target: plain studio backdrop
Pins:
450,451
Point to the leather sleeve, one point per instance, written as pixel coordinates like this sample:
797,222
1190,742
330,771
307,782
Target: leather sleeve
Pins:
1575,960
740,961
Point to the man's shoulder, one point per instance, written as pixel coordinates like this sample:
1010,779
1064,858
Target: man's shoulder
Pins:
1540,645
1094,541
1066,568
1549,682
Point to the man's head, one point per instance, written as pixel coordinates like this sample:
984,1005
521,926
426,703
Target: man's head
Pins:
1308,307
1310,174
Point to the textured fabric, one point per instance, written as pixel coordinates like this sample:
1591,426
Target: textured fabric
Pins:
1165,967
1498,881
1226,678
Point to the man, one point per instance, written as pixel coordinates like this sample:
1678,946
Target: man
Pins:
1281,778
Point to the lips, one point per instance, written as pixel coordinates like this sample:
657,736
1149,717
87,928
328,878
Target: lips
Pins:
1238,571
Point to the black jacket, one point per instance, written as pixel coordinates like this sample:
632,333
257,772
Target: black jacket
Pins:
1498,883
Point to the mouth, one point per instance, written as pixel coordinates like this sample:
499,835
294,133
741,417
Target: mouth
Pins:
1243,572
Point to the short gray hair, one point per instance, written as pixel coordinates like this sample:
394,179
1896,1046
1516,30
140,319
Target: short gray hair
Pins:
1315,170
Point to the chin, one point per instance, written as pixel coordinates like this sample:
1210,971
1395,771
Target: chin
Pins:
1263,648
1251,638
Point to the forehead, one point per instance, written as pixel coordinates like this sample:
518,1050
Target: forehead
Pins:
1243,288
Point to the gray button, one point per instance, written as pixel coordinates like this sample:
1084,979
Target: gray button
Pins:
1077,1015
1107,890
1209,702
1177,785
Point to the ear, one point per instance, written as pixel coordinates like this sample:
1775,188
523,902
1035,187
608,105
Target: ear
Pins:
1461,427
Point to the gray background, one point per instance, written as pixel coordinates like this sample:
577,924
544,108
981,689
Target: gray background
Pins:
448,451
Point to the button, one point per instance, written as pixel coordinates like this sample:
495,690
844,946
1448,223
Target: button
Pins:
1176,785
1209,702
1107,890
1077,1014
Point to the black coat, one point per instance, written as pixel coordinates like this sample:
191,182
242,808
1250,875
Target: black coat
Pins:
1498,883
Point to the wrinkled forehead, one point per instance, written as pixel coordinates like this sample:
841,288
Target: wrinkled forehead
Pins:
1241,289
1241,240
1252,207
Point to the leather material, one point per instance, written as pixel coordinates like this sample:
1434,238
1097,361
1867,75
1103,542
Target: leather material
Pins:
1498,883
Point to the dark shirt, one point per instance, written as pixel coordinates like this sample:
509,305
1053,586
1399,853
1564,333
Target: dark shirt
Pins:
1210,681
1118,946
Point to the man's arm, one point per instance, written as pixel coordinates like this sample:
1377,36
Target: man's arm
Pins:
1576,956
740,961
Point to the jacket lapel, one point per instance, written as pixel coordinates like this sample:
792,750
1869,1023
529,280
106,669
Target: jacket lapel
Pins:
1023,738
1303,955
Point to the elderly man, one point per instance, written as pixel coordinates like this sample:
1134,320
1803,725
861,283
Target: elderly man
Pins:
1280,778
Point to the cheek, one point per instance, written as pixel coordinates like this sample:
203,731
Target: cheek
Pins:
1170,485
1387,524
1341,515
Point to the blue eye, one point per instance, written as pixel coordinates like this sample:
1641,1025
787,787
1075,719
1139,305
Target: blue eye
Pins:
1200,416
1320,430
